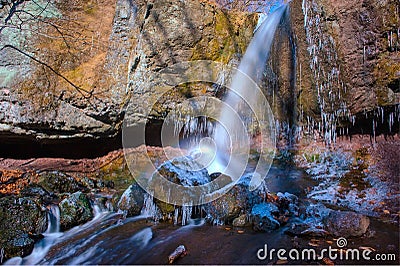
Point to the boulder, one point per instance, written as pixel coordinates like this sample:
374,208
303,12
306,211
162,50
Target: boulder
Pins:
75,210
229,206
263,217
132,200
182,171
38,192
22,220
346,223
59,183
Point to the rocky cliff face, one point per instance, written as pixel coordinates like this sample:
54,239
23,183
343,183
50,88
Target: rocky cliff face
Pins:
70,74
348,64
74,71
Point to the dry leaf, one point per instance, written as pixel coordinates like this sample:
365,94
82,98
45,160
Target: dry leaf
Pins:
327,261
367,248
281,262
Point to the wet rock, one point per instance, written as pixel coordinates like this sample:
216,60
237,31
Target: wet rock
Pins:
263,217
59,183
346,223
241,221
20,217
21,245
238,200
313,224
182,171
228,207
37,191
132,200
75,210
287,202
179,252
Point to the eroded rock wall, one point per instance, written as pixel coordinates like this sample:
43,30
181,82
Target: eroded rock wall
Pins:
71,73
348,64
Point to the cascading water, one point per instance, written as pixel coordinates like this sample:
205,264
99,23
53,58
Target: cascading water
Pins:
53,220
42,247
239,97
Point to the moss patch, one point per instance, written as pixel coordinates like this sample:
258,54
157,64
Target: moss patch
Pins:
231,34
386,73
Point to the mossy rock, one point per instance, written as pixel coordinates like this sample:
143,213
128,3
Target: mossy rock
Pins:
75,210
232,33
21,219
38,192
117,173
59,183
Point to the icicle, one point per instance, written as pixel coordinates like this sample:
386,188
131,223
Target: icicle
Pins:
373,127
364,55
176,215
150,208
391,39
186,214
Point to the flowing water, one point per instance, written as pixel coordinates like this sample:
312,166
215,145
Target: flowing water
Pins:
111,239
245,105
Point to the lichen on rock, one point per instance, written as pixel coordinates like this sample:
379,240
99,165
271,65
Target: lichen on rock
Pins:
75,210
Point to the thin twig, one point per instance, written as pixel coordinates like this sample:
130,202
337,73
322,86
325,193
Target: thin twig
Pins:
79,89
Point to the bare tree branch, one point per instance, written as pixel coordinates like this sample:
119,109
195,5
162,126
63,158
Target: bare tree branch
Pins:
79,89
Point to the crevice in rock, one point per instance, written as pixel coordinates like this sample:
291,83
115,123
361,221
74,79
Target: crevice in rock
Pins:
395,85
381,121
24,147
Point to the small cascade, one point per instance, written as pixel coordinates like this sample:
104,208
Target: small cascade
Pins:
142,238
99,208
53,219
42,247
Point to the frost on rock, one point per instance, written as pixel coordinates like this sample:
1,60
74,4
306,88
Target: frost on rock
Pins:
184,171
263,217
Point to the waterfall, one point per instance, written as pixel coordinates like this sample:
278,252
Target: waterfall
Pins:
251,66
